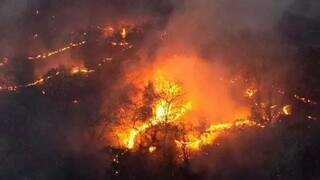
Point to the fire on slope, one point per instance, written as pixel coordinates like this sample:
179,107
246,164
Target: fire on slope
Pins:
166,109
175,104
112,38
168,106
170,109
194,142
54,52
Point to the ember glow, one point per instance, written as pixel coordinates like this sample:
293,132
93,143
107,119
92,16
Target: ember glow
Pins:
287,109
152,149
55,52
250,92
123,33
80,70
194,142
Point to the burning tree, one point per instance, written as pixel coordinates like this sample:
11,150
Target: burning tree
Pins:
151,121
162,104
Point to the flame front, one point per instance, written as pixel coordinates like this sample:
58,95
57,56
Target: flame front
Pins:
168,109
194,142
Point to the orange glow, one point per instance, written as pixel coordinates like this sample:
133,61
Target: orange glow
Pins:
209,96
40,81
206,111
165,110
123,33
80,70
8,88
151,149
250,92
60,50
194,142
189,94
304,99
287,110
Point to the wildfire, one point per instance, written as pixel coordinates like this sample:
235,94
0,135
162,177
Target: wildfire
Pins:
111,30
78,70
165,110
287,110
8,88
304,99
250,92
123,33
122,43
40,81
194,142
151,149
46,55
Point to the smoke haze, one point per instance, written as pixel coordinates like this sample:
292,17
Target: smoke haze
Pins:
56,131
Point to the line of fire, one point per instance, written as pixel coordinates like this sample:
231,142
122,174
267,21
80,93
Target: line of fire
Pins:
131,99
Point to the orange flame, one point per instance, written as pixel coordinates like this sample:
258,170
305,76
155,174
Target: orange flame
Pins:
165,110
287,110
194,142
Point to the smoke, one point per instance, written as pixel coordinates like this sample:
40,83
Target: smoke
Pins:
202,22
36,27
201,41
12,15
237,33
206,41
54,124
245,34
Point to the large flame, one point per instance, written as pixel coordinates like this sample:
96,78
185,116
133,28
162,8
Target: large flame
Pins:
183,81
197,86
166,110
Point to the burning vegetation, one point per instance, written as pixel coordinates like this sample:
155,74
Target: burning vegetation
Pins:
139,92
